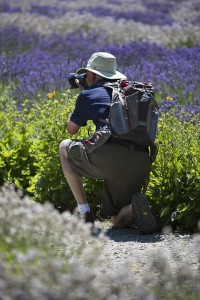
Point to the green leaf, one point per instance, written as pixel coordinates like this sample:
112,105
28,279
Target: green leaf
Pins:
165,212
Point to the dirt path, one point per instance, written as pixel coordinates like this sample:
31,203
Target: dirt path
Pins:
139,251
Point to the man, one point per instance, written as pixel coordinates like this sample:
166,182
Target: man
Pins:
124,166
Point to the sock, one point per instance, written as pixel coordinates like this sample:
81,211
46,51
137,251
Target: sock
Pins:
83,208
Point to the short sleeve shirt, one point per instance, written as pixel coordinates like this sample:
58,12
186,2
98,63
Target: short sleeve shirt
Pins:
92,104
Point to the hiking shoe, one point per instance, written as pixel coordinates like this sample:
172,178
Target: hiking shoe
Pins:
145,220
89,217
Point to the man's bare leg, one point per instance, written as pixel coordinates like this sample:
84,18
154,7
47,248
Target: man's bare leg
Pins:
125,217
75,181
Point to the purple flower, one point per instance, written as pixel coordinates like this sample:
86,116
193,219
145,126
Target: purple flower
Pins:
36,63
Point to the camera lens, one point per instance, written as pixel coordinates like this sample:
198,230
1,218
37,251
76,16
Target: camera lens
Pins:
72,80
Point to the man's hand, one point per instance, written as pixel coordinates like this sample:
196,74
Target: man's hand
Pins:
81,87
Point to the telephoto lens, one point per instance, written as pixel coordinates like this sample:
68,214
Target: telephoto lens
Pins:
72,80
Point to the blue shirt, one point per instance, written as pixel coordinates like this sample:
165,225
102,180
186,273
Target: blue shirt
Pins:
91,104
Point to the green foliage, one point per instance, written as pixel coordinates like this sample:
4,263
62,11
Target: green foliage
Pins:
29,159
29,146
174,186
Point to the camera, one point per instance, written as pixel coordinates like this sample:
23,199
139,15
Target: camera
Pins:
81,78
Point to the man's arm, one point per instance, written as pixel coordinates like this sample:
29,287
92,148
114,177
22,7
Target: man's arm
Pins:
72,128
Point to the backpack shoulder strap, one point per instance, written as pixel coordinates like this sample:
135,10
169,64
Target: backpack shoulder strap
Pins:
113,86
117,93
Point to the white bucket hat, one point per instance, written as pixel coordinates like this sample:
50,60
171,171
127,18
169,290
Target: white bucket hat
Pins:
103,64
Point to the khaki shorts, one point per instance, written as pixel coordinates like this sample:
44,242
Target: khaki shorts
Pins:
123,169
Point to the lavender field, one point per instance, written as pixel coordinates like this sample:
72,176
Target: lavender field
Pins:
41,42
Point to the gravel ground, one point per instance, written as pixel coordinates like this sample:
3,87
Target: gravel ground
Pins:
138,251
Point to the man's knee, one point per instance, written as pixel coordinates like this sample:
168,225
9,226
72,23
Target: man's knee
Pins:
63,147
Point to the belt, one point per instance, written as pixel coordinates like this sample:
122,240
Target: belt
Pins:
128,144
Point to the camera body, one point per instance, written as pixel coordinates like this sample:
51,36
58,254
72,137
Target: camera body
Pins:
81,78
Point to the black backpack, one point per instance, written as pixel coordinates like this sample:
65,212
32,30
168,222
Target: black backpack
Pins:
134,112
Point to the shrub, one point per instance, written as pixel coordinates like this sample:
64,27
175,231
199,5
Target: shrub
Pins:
48,255
174,182
29,156
29,159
